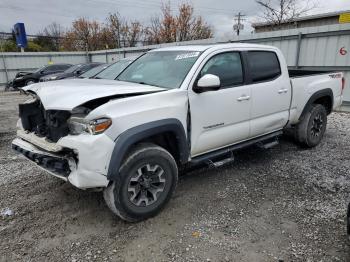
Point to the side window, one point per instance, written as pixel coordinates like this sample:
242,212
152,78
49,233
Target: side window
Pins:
46,69
227,66
52,68
62,67
263,66
86,67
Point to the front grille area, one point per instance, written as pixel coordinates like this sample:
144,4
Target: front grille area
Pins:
56,165
51,124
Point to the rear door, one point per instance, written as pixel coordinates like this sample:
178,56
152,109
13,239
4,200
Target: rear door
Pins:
220,118
271,92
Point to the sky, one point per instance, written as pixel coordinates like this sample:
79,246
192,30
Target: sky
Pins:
36,14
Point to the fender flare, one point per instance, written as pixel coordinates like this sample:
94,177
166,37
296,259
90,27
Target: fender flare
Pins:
138,133
319,94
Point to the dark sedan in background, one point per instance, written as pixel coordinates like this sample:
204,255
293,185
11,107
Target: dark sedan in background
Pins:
94,71
26,78
73,71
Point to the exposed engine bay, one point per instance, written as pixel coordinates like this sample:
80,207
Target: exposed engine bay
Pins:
51,124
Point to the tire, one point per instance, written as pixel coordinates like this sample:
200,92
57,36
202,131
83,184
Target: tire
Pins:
144,185
29,82
310,131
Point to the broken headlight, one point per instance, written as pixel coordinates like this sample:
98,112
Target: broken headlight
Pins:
79,125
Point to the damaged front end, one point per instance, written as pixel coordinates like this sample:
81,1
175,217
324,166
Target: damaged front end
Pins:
63,143
51,124
38,131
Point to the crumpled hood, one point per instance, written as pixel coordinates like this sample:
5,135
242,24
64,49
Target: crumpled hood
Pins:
70,93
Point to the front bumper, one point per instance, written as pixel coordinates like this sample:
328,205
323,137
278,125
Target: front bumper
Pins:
16,83
54,164
85,166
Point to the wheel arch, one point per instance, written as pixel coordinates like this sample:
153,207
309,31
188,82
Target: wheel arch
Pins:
323,97
171,128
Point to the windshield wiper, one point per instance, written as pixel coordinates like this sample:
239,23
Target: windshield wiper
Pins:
143,83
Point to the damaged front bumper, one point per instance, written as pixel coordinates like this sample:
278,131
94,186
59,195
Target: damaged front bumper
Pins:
82,160
56,165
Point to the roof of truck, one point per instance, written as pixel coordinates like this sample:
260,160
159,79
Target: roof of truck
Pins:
201,48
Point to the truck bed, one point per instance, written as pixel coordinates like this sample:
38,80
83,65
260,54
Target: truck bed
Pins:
306,83
294,73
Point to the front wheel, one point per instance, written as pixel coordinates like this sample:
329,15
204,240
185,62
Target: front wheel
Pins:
144,185
312,127
29,82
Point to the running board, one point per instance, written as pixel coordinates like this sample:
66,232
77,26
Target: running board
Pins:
208,157
268,144
220,163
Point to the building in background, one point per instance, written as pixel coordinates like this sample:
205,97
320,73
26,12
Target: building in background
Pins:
305,21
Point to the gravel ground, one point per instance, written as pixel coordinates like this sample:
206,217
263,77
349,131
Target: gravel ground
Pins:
281,204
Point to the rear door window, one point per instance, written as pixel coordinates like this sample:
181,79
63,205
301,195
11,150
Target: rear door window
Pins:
263,66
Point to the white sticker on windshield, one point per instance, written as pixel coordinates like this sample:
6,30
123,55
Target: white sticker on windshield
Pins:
187,55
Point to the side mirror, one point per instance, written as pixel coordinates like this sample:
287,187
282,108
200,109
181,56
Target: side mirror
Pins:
78,72
42,71
206,83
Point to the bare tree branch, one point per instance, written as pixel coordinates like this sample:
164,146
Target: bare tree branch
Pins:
277,12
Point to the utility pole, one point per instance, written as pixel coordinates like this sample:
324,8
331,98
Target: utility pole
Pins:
238,26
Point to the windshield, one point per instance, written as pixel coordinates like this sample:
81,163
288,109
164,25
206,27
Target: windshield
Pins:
165,69
113,70
92,72
72,69
40,69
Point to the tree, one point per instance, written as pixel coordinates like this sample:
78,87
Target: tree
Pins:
182,27
50,38
277,12
123,32
86,35
55,32
33,47
152,32
115,23
131,33
168,25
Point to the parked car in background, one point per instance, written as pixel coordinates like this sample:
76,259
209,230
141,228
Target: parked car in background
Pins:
26,78
93,71
112,71
73,71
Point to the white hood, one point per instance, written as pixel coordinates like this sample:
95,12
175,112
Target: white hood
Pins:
70,93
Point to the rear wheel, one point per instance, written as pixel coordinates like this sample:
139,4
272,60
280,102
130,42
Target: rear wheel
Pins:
145,183
312,127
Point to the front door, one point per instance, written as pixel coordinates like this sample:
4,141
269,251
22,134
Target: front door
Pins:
220,118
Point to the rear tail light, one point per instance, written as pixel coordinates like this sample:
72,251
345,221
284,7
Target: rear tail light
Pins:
342,84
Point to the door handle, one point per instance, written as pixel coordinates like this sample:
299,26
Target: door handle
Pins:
281,91
242,98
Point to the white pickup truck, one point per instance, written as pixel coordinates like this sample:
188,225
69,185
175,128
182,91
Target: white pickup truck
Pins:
173,107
